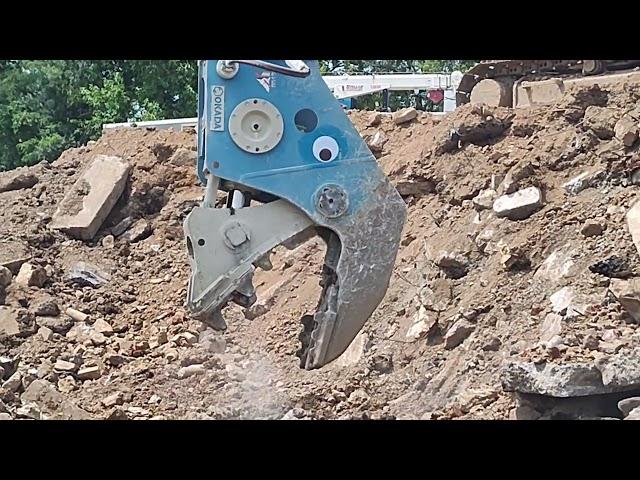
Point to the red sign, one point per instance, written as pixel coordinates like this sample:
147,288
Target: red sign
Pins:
436,96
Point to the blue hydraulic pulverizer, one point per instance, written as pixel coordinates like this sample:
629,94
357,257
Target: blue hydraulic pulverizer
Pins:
271,135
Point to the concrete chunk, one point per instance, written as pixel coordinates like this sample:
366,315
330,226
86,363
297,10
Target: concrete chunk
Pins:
626,130
518,205
183,157
565,380
377,142
628,294
89,373
139,231
457,334
355,352
13,254
64,366
404,115
17,180
583,181
53,403
8,322
620,371
31,275
374,119
551,326
484,200
92,197
601,120
628,404
87,275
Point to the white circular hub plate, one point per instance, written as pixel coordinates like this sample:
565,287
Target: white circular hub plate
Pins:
256,126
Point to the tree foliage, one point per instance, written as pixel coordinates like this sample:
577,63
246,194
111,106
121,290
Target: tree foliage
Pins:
47,106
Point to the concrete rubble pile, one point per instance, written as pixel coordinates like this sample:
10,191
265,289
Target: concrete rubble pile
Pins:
515,293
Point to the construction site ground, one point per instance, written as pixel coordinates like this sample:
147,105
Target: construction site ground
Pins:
470,299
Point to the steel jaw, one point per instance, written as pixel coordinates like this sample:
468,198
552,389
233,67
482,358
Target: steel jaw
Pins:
361,253
224,246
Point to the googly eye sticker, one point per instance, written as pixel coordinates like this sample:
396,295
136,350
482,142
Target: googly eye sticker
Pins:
325,149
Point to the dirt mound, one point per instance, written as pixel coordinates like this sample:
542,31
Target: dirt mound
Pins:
515,246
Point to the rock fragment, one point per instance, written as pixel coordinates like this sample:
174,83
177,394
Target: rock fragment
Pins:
31,275
519,205
90,200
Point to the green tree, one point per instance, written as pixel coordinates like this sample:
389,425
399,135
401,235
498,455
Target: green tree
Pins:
47,106
109,102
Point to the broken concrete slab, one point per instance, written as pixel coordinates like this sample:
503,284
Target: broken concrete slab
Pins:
8,322
404,116
558,265
139,231
183,157
518,205
58,324
571,304
13,254
554,380
550,327
113,400
601,120
422,324
562,299
102,326
354,353
17,180
53,403
620,371
484,200
45,333
626,130
452,261
627,293
13,383
87,205
31,275
89,373
609,374
65,366
377,142
457,334
46,308
516,174
122,226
